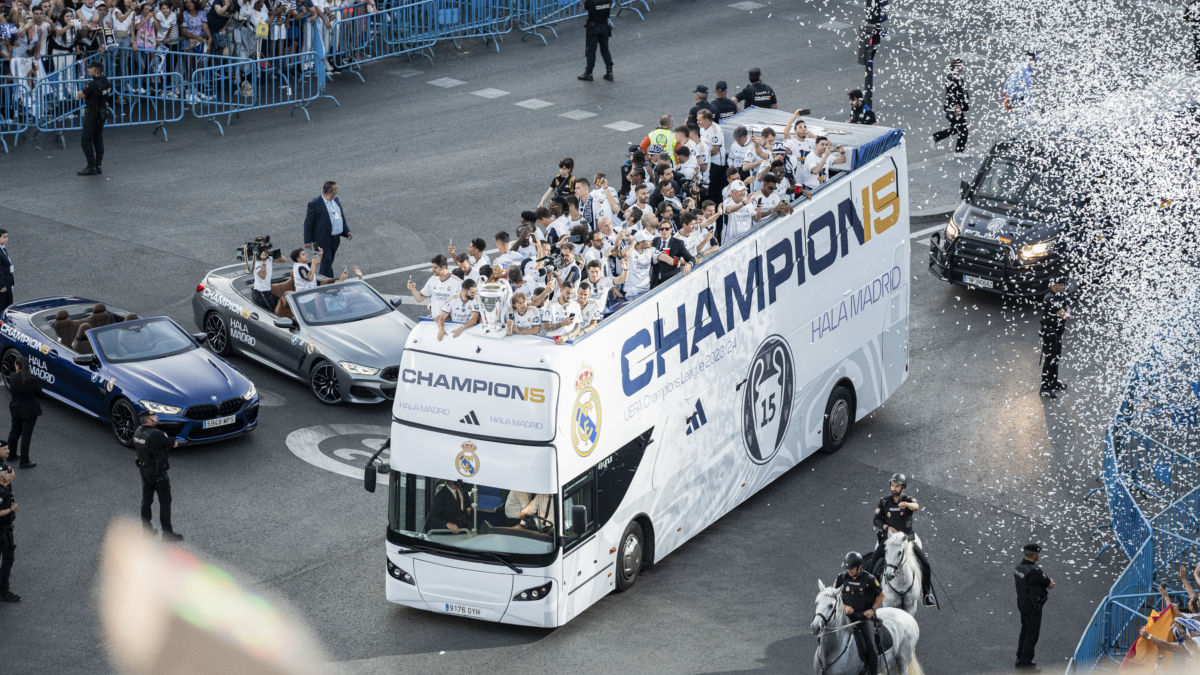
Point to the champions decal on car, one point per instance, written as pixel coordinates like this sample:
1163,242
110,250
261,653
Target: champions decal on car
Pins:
14,334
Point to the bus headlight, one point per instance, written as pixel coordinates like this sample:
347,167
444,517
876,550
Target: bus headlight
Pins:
951,231
534,593
1040,249
399,574
355,369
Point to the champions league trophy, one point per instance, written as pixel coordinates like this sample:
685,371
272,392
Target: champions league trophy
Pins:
493,305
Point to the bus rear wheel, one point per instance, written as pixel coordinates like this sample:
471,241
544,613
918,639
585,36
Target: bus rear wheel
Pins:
629,556
839,419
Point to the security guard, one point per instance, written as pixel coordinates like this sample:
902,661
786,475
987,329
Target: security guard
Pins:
1056,309
661,141
1032,586
724,105
701,92
757,93
862,596
894,513
151,445
8,513
95,100
598,31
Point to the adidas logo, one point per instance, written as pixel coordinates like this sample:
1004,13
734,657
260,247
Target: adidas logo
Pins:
696,419
469,418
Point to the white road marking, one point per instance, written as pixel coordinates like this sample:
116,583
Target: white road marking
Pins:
406,72
410,268
577,115
348,461
490,93
748,6
446,82
834,25
534,104
622,125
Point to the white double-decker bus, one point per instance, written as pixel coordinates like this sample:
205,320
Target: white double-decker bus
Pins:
529,479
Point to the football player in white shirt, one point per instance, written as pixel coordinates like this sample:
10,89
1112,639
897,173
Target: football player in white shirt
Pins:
603,285
589,311
558,316
816,169
440,286
739,217
745,153
475,250
465,268
700,153
711,135
685,164
524,320
698,241
505,258
461,308
640,256
767,201
595,203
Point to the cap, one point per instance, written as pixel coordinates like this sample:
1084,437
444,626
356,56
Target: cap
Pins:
721,86
642,235
700,89
737,186
755,71
1032,547
634,148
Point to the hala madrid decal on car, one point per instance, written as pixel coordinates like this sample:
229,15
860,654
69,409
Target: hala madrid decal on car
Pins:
585,431
767,401
467,461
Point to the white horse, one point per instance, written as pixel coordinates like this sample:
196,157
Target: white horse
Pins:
902,577
837,653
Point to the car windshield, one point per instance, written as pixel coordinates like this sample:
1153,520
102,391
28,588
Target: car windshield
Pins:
141,340
471,518
339,303
1018,183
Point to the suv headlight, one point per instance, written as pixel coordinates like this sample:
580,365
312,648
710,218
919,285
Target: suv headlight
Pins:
1039,249
534,593
160,408
250,392
951,230
355,369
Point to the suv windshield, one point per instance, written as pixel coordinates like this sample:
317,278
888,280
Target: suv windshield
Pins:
141,341
471,519
1017,182
339,303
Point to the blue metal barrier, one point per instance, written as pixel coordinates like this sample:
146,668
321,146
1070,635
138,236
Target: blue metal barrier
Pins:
14,116
533,15
486,19
58,110
230,88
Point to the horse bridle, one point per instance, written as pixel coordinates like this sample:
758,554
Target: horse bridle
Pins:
824,631
896,567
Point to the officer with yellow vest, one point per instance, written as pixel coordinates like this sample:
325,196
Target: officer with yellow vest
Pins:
661,141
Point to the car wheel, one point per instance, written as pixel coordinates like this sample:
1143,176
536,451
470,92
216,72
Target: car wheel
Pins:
324,383
629,556
216,334
839,419
8,363
123,420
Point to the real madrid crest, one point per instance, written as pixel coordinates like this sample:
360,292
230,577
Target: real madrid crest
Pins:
585,427
467,461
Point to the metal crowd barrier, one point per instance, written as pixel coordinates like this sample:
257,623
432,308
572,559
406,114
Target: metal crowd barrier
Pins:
231,88
534,15
14,116
156,107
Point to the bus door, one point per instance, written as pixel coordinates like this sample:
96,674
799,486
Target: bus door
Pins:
586,569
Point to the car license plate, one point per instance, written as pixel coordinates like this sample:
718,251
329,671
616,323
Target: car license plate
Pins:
220,421
976,281
464,610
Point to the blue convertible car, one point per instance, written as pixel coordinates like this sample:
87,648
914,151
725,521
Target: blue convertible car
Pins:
111,365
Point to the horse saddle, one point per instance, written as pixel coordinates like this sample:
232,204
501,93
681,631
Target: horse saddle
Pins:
883,641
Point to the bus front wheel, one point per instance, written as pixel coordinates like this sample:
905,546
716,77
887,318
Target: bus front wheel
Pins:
629,556
839,419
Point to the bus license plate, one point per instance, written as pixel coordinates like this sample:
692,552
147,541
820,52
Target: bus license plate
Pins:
976,281
220,421
464,610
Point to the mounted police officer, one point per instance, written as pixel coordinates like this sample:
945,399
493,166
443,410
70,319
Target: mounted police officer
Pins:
1032,589
151,445
894,513
862,596
599,29
1056,309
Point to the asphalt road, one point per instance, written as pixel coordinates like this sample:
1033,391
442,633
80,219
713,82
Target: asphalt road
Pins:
418,164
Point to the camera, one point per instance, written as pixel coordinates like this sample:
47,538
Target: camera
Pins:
251,250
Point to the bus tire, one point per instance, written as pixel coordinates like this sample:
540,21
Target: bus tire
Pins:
839,419
630,555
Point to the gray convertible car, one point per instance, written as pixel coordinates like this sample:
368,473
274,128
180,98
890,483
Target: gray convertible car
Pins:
343,339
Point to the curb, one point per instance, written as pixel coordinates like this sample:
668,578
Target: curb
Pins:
932,213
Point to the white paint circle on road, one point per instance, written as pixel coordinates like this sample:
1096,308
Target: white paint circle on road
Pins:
340,448
269,399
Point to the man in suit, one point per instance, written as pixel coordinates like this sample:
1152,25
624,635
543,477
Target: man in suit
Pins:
325,225
6,273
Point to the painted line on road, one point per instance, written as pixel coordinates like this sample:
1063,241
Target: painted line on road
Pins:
534,104
578,115
748,6
490,93
409,268
446,82
916,236
622,125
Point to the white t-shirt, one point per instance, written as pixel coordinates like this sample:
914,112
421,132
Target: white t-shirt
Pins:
600,291
263,284
460,310
531,318
738,222
761,202
506,261
689,169
473,274
810,180
554,312
483,260
587,313
591,253
638,281
558,228
439,291
740,154
165,24
713,138
299,281
527,287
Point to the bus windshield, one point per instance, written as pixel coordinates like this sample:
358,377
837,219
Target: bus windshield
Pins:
468,518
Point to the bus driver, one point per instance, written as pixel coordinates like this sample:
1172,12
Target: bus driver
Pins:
451,508
520,505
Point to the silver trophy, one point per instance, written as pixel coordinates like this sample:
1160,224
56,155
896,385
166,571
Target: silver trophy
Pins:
493,303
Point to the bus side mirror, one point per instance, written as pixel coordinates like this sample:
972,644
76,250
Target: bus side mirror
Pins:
578,519
964,188
369,478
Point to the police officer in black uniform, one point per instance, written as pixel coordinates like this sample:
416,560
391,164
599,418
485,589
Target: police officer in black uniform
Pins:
894,513
598,31
955,106
151,445
757,93
1032,588
8,513
95,100
1056,309
862,596
701,92
724,105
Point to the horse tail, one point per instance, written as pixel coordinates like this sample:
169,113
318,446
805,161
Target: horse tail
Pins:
914,666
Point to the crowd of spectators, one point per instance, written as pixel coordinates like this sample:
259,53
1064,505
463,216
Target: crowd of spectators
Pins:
590,246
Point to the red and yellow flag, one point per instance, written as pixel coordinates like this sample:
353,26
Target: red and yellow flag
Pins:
1142,657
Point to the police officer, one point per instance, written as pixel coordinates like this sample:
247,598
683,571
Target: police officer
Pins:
8,513
955,106
757,93
1032,587
151,445
701,92
598,31
724,105
894,513
1056,309
862,596
95,100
